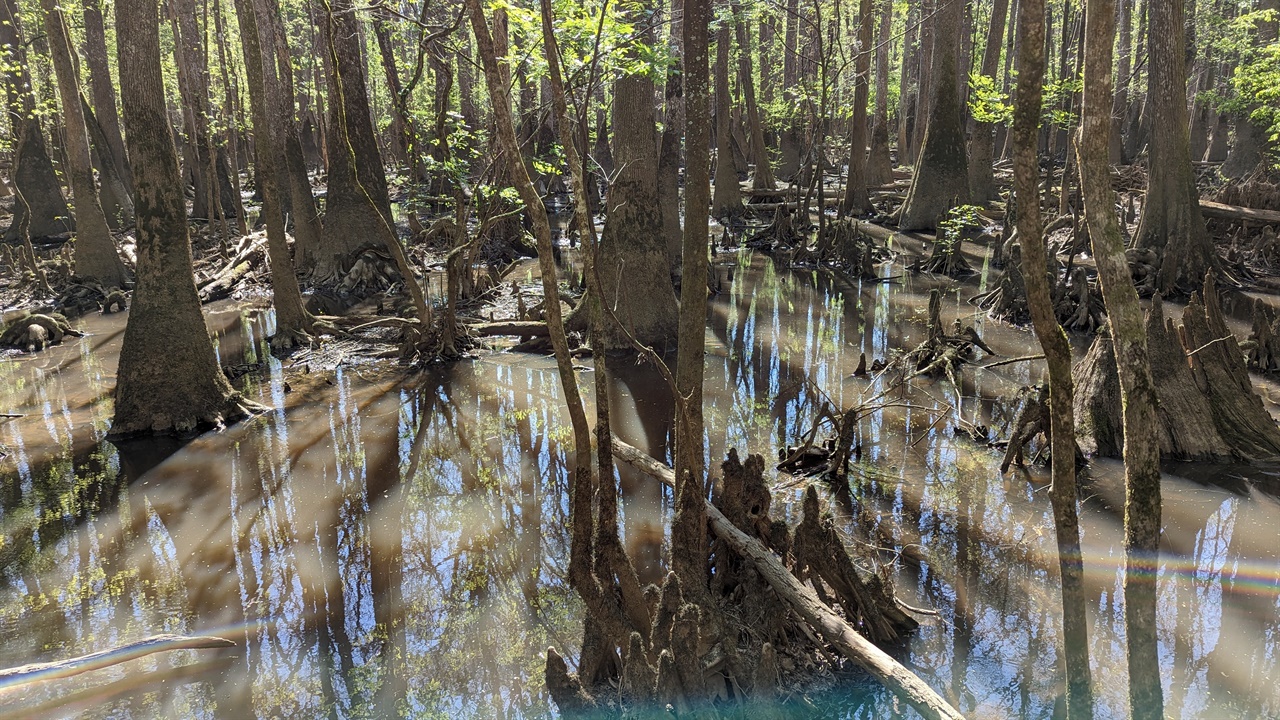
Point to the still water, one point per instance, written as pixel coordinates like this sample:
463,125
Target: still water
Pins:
389,544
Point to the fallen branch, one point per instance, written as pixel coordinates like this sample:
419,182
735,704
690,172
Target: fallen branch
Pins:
1222,211
523,328
897,678
39,672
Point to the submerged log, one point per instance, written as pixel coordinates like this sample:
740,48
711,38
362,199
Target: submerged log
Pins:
804,601
38,672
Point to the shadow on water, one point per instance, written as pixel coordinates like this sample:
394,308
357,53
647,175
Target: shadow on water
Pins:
396,546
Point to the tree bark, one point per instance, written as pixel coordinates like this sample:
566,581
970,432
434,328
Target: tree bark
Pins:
96,255
1138,394
1057,352
168,379
634,265
762,177
941,178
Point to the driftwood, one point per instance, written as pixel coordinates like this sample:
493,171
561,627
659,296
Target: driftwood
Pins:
39,672
1236,213
251,253
804,601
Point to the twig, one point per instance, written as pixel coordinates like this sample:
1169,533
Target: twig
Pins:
1010,361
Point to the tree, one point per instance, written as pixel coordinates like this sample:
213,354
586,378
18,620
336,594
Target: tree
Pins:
762,177
633,264
96,255
856,199
357,192
44,212
1171,222
982,140
1129,337
1057,352
168,380
941,178
689,527
293,323
727,201
103,90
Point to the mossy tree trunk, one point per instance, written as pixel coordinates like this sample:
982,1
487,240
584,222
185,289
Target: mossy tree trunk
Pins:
168,379
1128,331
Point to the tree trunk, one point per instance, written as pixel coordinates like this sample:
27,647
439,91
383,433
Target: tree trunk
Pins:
669,152
689,527
1138,394
44,212
1057,351
357,193
229,115
278,79
633,264
982,135
762,177
400,120
941,178
727,202
293,322
879,162
104,93
1171,222
115,198
168,380
856,199
1251,141
1120,104
96,255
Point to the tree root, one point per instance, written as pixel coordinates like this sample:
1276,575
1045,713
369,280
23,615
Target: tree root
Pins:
34,333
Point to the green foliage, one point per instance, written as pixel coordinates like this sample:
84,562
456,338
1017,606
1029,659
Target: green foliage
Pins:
987,102
960,219
1057,109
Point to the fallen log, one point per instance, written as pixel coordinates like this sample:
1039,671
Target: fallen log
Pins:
523,328
1222,211
897,678
39,672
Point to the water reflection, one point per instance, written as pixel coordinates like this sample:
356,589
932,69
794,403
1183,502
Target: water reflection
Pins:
396,546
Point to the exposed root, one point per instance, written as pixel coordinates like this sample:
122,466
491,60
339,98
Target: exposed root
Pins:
33,333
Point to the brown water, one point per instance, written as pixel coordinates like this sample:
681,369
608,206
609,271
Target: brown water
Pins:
397,544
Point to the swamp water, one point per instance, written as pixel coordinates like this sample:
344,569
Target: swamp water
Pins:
385,543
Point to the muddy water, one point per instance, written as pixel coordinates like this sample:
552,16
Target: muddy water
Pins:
394,544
